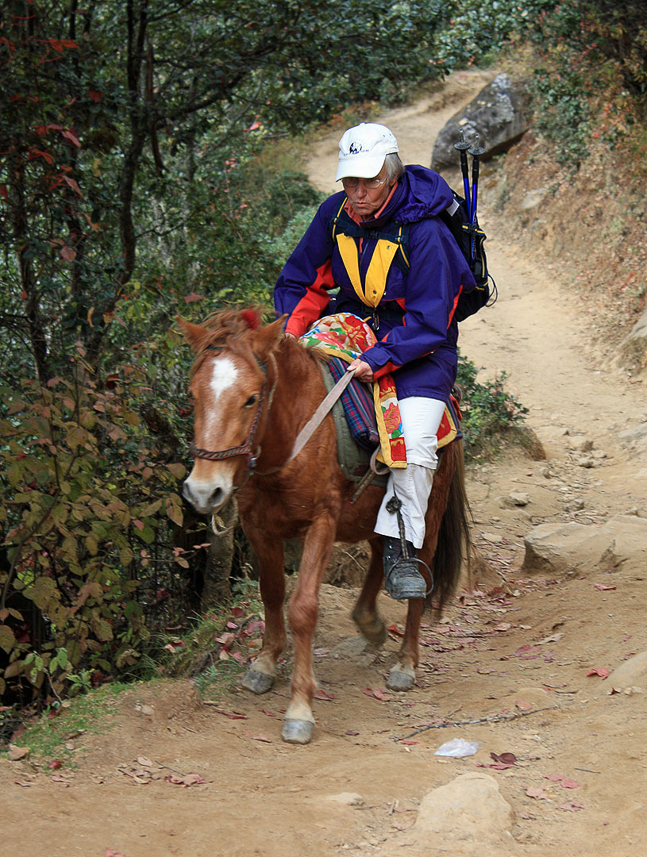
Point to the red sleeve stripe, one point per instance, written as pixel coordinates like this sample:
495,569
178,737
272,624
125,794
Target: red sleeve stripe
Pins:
313,303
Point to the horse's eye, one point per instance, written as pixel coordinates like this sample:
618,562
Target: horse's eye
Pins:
251,401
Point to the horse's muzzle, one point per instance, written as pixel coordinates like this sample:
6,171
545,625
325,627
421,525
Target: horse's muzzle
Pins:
206,498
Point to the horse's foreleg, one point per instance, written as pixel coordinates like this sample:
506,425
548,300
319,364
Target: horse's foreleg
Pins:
403,673
365,614
260,676
299,720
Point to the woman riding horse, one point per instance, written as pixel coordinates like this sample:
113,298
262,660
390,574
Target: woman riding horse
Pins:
382,243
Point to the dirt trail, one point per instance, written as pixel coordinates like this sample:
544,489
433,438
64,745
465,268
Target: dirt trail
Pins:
262,797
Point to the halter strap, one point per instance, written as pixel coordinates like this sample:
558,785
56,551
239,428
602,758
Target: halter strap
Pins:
247,447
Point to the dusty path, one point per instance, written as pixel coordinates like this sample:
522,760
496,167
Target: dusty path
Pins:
261,797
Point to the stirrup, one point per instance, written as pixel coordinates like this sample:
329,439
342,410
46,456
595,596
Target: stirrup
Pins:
402,578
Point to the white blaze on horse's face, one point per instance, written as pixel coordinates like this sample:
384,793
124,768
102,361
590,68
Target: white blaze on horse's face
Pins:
216,388
224,376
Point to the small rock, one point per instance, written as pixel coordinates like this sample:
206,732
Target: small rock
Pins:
585,461
575,505
630,674
580,444
16,753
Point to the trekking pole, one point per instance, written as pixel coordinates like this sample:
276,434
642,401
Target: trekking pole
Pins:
475,151
462,145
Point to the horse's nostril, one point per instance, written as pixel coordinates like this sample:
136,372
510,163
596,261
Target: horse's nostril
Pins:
217,498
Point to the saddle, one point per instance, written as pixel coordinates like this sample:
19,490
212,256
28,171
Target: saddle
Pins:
357,434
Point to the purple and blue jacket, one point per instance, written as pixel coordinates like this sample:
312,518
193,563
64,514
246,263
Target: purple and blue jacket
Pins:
414,320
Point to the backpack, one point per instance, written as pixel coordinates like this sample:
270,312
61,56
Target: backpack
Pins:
470,241
456,219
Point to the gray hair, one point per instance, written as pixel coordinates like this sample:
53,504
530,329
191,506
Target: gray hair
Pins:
394,166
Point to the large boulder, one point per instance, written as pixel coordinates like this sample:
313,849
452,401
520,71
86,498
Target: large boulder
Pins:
563,548
500,114
467,816
633,351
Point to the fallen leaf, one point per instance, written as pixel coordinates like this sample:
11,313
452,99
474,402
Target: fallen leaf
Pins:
601,671
504,758
554,778
55,765
322,694
144,762
351,732
536,793
571,807
393,629
504,626
110,853
377,693
522,705
602,588
262,738
528,653
570,784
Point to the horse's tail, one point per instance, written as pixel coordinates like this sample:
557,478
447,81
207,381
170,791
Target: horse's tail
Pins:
453,535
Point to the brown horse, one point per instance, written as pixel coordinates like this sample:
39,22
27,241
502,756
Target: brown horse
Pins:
253,390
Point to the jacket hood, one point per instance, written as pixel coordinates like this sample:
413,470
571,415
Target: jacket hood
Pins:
420,193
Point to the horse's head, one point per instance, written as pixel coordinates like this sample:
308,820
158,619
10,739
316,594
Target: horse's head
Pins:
230,391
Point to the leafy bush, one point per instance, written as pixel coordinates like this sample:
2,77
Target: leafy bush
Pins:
563,113
83,500
488,410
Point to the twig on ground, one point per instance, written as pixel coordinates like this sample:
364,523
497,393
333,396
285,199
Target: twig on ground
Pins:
495,718
168,768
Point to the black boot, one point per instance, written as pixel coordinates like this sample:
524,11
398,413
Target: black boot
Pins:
403,580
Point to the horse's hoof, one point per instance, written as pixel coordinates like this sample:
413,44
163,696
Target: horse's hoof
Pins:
400,679
297,731
258,682
374,631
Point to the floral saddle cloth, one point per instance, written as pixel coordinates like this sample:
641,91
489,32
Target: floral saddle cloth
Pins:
373,417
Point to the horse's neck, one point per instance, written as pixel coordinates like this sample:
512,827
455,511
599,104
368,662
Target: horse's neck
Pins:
298,392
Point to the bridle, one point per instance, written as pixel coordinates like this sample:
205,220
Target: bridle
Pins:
246,448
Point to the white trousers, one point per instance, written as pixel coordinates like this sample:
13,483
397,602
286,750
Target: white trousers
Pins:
412,485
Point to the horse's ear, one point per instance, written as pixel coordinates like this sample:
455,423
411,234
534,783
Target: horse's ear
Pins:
194,333
266,339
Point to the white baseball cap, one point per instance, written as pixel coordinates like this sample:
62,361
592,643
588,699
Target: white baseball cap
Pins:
362,150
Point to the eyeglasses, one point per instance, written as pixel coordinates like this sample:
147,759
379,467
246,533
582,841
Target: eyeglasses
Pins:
369,184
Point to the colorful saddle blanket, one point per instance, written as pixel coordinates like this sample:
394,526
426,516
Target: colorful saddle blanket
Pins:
344,337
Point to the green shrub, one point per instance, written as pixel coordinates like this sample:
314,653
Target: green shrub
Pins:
83,499
488,410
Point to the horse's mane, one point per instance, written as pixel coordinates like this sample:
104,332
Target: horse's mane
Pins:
231,328
228,324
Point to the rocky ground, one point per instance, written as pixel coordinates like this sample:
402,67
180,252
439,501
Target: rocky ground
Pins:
537,663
